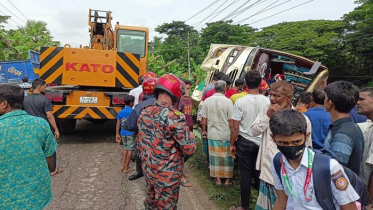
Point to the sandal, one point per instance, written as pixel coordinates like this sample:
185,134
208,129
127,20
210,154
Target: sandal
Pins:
185,175
185,183
57,171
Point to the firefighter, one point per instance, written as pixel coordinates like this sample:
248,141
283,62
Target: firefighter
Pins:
131,123
148,74
164,142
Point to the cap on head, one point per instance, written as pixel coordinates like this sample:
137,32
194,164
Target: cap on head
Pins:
171,85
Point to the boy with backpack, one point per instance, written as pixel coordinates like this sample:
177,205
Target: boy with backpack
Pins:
125,136
298,179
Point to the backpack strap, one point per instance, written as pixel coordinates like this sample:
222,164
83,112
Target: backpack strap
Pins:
321,171
277,164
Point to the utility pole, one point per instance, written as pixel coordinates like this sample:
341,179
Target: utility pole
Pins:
188,56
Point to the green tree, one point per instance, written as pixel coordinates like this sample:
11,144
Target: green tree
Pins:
224,32
175,29
6,48
359,41
15,44
313,38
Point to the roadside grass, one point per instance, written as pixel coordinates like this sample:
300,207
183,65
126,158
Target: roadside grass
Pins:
224,197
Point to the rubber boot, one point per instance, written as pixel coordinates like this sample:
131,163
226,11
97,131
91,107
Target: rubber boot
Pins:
138,172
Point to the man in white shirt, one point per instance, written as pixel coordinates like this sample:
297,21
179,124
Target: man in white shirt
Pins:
296,186
242,142
365,107
137,91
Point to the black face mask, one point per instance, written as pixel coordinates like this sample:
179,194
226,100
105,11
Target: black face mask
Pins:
292,152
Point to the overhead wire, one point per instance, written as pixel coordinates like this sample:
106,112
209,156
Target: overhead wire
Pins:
249,7
281,12
199,23
202,10
12,13
18,9
218,13
10,18
234,11
263,10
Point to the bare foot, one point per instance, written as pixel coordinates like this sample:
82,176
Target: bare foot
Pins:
127,170
228,182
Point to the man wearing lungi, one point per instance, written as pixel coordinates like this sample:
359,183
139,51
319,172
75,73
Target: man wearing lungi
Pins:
216,116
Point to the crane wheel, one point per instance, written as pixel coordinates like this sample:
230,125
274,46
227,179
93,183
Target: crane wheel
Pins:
66,126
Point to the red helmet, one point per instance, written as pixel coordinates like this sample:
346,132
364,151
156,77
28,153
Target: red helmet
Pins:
149,74
170,84
263,85
148,85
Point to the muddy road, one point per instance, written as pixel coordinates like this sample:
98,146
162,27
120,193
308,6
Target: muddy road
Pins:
91,177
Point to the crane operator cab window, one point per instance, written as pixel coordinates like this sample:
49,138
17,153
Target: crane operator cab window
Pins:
131,41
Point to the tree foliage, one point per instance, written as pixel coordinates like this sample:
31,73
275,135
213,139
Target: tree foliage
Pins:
345,46
224,32
15,44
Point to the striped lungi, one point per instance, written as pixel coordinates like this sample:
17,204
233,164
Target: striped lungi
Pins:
267,196
221,162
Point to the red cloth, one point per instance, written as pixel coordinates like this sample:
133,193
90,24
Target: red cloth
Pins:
186,108
230,92
208,94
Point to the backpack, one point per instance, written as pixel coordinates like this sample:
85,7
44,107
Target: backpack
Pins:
321,170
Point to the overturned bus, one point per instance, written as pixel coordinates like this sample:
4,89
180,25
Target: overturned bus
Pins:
235,61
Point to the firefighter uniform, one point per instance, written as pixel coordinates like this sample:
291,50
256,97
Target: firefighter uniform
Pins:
163,140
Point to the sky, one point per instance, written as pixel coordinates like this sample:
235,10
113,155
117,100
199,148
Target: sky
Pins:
68,20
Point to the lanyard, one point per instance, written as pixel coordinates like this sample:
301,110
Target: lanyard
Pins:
308,177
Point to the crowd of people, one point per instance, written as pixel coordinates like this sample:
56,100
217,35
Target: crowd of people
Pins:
262,121
281,150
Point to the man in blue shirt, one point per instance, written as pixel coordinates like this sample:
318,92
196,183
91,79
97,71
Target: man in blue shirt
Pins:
26,147
344,138
320,119
125,136
356,117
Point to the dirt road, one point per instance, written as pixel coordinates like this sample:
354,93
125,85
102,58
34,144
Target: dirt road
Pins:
91,179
